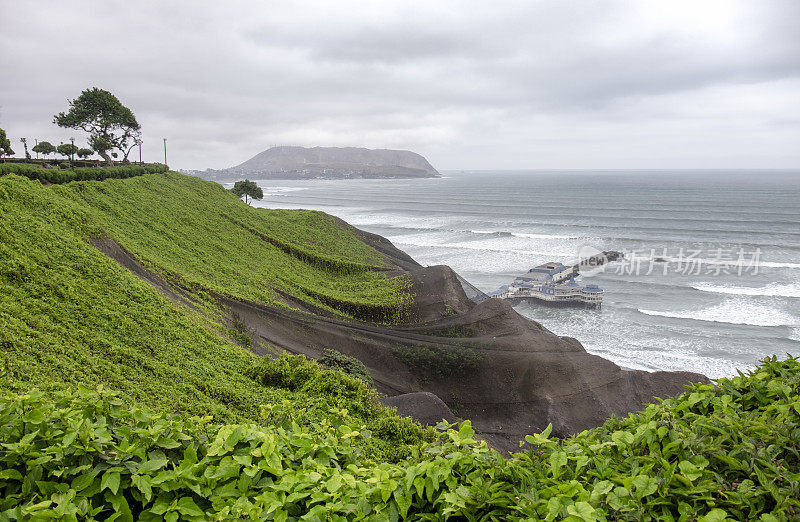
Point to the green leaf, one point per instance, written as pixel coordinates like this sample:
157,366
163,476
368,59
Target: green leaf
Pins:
601,489
334,483
558,459
689,470
715,515
583,510
10,474
187,506
622,438
34,416
111,481
83,481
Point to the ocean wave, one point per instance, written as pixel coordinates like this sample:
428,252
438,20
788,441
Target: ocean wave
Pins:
795,335
733,312
733,264
505,233
771,290
551,255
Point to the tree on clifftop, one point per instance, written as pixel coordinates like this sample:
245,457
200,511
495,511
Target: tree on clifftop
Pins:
247,188
5,145
45,148
110,124
67,149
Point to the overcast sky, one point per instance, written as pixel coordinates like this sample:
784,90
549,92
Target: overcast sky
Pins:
470,85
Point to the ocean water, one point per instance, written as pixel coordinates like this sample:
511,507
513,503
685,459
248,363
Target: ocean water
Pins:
711,279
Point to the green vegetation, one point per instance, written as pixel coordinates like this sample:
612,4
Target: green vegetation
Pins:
109,123
714,454
248,189
5,145
439,361
336,360
84,153
66,175
45,148
24,142
454,331
70,315
67,149
198,234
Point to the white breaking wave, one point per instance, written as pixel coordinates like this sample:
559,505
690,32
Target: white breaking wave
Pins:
771,264
732,264
542,236
771,290
734,311
524,234
795,335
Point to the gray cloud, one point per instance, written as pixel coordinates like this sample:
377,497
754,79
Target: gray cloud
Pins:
548,84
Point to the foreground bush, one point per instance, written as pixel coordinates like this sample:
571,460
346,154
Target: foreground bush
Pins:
66,175
714,454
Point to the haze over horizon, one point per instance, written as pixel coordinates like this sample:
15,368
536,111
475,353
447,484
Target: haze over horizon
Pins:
514,85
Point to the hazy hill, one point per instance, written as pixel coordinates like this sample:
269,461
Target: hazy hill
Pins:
327,162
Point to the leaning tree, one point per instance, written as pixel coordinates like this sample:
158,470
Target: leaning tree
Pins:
247,189
110,124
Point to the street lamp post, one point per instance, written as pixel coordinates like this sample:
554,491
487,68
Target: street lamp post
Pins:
72,152
165,151
139,143
37,143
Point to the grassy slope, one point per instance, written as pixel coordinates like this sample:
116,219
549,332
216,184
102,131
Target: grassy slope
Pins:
197,230
69,314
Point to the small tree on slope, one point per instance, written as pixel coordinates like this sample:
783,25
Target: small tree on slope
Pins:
248,189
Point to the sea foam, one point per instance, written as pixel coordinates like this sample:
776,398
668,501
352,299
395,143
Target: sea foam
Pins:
771,290
733,311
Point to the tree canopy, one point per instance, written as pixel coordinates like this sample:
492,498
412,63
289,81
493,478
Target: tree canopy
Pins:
67,149
5,144
44,148
109,123
248,189
84,153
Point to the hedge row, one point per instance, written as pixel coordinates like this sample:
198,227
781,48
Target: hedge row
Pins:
79,174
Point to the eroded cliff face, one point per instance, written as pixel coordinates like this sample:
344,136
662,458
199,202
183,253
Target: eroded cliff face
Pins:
453,358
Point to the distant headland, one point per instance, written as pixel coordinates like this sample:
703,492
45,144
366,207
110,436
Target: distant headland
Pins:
326,163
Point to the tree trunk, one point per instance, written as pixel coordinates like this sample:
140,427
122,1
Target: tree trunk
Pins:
106,157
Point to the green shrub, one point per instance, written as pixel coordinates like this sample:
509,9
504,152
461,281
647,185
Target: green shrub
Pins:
395,436
720,453
439,361
335,360
66,173
291,373
240,334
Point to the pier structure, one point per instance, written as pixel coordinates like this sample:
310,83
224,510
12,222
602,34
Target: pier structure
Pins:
553,284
